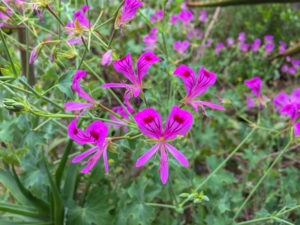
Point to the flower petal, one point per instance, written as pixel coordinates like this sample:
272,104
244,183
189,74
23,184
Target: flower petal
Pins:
92,161
144,62
97,132
76,86
297,129
78,135
125,67
84,154
129,10
105,157
146,156
163,165
116,85
187,75
177,155
254,85
295,96
281,100
149,122
178,123
205,79
77,106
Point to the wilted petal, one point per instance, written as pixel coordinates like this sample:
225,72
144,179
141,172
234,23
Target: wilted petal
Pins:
177,155
77,106
146,156
144,62
107,58
129,10
149,122
205,79
76,86
84,154
125,67
34,54
281,100
178,123
187,75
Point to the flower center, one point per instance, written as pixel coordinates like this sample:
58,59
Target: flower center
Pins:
186,73
178,119
95,135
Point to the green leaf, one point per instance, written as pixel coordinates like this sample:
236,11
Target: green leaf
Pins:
65,82
20,210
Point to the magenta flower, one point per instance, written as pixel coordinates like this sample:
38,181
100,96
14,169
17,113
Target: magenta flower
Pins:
269,38
158,16
288,105
255,86
150,40
129,10
230,42
269,48
284,68
191,33
282,47
77,106
174,19
122,112
209,42
178,123
197,87
34,54
244,47
95,133
181,46
218,48
203,16
125,67
241,38
185,16
78,26
256,44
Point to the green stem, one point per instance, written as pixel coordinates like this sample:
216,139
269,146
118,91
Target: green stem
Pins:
160,205
8,55
221,165
56,17
262,179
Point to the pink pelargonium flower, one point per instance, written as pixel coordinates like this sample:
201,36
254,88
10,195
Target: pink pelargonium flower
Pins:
269,38
178,123
174,19
255,86
125,67
244,47
129,10
122,112
269,48
256,44
185,16
241,38
150,40
80,24
288,105
158,16
218,48
95,133
181,46
297,129
203,16
230,42
197,87
282,47
77,106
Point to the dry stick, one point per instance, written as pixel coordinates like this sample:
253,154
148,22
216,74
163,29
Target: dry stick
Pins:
208,30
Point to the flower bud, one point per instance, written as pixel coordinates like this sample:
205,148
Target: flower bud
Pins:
107,58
